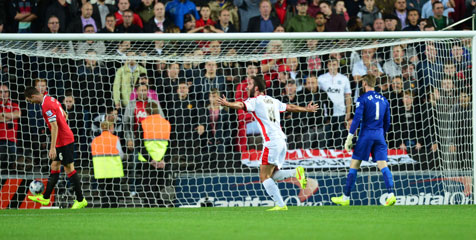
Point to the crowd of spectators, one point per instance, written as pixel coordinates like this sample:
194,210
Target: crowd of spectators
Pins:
425,83
222,16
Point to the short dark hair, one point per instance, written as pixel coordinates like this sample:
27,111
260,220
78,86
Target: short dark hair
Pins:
433,4
333,59
413,10
182,81
68,93
259,82
320,13
291,81
138,84
325,2
91,50
152,108
30,91
143,75
109,110
52,16
188,18
370,80
256,64
110,15
88,25
390,16
428,25
336,1
407,66
128,10
408,13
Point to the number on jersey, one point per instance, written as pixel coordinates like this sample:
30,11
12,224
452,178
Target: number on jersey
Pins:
271,114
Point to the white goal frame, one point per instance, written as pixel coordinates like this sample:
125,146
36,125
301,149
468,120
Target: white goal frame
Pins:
274,36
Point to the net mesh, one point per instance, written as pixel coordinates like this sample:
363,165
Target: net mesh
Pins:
213,152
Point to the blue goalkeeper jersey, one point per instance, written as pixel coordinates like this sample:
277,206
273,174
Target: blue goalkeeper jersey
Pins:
372,112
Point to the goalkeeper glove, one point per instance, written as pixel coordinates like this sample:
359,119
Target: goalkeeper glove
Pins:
348,142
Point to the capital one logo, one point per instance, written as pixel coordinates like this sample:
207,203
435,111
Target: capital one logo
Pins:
452,198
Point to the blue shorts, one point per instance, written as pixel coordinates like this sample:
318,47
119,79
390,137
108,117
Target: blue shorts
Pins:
371,142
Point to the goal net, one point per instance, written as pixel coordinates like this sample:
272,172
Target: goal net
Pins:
213,153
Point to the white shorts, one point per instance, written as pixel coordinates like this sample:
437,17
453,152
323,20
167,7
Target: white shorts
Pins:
274,153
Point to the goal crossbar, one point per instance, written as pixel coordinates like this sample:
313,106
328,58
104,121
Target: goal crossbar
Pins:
235,36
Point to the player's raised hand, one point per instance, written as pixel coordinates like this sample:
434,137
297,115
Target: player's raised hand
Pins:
311,107
222,101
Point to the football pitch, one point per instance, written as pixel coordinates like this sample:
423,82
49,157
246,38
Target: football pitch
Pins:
246,223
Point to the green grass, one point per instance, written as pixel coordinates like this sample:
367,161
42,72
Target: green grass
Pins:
356,222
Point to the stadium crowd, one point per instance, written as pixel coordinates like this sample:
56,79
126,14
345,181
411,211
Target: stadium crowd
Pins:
222,16
426,83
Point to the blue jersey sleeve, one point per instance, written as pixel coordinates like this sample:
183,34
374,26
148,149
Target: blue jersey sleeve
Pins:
359,111
386,123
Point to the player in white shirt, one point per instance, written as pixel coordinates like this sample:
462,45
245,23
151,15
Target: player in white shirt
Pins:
266,110
338,89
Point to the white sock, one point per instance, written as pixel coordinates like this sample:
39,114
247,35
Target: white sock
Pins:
273,191
390,195
345,198
283,174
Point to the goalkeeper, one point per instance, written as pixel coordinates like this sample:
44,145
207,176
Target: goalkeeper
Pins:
374,111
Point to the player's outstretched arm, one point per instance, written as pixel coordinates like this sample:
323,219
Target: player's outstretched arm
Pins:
235,105
311,107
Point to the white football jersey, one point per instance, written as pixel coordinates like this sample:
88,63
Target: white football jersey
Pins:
266,110
336,87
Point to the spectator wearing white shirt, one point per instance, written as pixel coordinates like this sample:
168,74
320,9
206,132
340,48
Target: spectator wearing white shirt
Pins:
84,46
393,67
361,67
337,87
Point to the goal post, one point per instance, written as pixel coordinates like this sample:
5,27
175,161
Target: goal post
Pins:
473,58
213,152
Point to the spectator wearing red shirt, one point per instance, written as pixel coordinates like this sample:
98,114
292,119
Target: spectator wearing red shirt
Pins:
123,6
270,66
135,113
244,117
9,115
128,25
281,8
205,19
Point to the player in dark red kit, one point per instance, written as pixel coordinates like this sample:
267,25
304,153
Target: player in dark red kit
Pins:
61,148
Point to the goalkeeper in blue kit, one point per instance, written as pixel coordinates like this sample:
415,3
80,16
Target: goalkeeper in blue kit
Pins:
372,112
